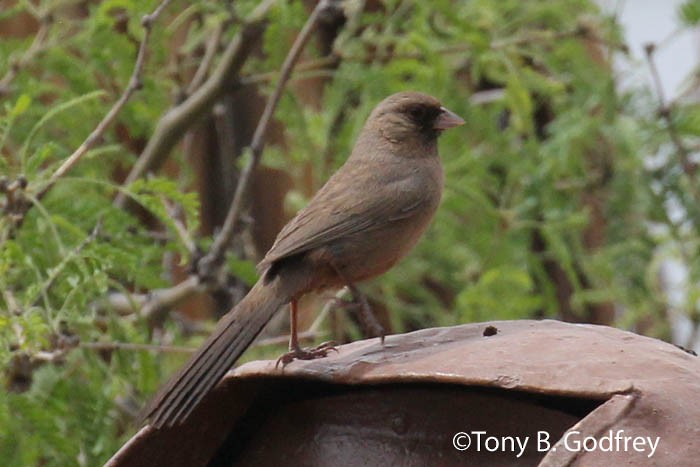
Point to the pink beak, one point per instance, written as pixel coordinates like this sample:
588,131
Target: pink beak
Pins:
447,119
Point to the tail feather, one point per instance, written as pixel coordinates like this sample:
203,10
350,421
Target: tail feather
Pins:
231,337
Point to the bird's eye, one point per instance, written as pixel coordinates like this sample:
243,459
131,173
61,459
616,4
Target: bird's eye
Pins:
417,113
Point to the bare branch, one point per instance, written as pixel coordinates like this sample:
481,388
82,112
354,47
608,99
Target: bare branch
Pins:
138,347
148,20
277,340
330,304
205,64
58,355
122,303
173,125
537,36
175,213
161,301
134,85
316,64
689,167
53,356
152,305
215,257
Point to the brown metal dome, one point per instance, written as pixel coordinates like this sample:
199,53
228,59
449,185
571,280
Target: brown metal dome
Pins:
406,403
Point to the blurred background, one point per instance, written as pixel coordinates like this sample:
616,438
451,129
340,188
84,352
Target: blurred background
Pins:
572,192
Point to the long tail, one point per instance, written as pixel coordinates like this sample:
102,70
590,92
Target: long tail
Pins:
233,334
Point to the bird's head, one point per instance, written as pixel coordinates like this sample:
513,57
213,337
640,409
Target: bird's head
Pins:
412,117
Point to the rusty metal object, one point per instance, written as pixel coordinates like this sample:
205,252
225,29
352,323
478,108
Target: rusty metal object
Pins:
402,404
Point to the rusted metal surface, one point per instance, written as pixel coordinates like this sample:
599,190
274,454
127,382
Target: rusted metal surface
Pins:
401,404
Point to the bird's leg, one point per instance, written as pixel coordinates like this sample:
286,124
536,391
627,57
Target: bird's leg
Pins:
295,350
293,336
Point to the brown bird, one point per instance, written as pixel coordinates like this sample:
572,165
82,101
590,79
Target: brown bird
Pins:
368,215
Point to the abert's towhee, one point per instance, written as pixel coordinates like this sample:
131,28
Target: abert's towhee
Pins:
368,215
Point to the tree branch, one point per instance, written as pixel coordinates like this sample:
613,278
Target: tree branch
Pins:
173,125
689,167
283,339
205,64
209,264
134,85
154,303
175,212
208,267
138,347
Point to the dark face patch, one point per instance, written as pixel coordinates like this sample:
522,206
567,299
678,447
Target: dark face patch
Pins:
423,116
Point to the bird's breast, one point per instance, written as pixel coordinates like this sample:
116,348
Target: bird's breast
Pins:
373,251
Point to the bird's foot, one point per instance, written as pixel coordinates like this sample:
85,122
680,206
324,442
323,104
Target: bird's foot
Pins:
306,354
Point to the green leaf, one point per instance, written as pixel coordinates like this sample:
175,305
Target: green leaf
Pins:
520,103
22,104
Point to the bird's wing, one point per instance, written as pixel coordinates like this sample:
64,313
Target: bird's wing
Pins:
342,209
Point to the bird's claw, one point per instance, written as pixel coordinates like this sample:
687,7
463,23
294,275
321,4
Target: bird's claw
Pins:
307,354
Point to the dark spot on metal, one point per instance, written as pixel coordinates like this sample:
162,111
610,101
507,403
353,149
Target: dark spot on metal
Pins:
398,424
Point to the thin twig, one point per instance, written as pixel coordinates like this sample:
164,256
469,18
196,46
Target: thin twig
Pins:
283,339
151,305
205,64
174,124
327,307
299,76
122,303
689,167
138,347
53,356
134,85
329,62
538,36
315,64
276,340
215,257
664,111
175,213
57,355
162,300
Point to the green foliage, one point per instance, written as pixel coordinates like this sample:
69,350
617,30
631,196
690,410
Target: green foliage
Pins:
689,12
555,161
73,246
